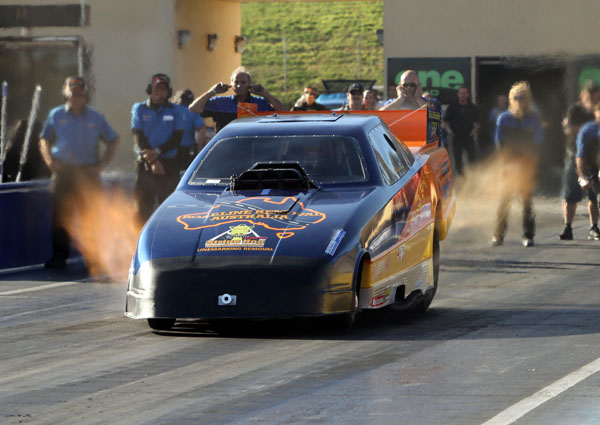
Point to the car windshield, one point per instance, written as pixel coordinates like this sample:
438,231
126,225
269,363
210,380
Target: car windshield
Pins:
326,159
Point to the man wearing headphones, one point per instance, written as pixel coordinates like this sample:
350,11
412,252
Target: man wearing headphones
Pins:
224,109
69,146
157,130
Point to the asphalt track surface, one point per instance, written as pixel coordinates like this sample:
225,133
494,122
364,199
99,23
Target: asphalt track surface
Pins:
511,337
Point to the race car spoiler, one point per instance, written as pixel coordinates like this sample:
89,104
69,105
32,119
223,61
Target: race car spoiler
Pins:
416,128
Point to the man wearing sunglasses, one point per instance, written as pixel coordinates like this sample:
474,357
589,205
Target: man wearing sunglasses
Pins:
355,98
409,93
308,102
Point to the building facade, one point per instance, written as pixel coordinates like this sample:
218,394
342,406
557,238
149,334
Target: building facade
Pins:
117,45
487,45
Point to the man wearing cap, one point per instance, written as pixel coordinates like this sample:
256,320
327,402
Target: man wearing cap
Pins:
354,94
194,136
308,102
578,114
69,144
409,93
224,109
157,128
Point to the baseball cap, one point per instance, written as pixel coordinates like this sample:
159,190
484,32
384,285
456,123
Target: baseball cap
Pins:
76,82
355,87
160,79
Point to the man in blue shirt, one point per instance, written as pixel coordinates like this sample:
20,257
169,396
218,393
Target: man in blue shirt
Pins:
586,161
194,136
519,134
157,130
69,144
224,109
577,115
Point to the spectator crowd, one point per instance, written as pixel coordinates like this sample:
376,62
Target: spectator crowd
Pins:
76,142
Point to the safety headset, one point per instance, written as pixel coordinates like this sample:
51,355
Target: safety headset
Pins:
160,79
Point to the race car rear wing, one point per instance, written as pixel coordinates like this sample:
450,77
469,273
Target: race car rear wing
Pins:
416,128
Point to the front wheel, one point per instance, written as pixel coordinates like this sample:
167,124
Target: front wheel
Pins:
161,324
343,321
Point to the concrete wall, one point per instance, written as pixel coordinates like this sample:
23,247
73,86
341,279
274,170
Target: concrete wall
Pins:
197,67
551,31
490,27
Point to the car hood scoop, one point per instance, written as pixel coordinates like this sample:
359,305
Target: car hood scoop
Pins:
273,175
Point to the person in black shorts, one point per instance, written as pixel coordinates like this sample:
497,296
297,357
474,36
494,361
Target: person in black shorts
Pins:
572,193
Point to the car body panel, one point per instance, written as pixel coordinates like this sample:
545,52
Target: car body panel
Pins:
302,252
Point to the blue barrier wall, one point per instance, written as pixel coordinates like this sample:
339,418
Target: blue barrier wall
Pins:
25,216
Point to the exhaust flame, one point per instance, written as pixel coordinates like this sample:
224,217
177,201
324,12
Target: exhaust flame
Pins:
480,191
105,231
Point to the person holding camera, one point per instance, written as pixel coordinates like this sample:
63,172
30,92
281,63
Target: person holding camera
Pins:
224,109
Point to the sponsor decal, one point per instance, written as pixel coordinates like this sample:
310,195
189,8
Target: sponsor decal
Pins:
213,181
400,252
285,217
420,284
168,118
246,109
381,298
378,300
380,266
446,189
240,235
589,73
445,167
238,238
337,237
440,77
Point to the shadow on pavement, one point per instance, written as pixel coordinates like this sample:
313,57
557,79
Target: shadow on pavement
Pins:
76,270
438,324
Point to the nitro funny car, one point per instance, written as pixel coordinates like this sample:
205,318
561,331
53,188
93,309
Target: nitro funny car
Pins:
291,215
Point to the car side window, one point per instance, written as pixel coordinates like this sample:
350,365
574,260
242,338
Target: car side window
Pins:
391,163
402,149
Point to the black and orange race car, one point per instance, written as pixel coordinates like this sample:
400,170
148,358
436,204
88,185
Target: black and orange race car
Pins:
289,215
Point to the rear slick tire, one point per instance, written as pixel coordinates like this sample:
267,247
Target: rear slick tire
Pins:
430,293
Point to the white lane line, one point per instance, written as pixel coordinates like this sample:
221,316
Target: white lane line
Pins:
39,288
520,409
